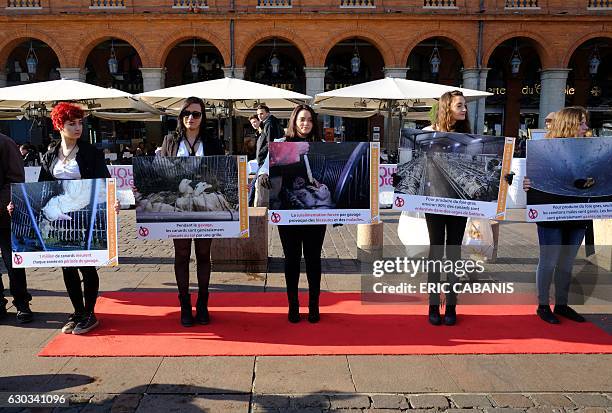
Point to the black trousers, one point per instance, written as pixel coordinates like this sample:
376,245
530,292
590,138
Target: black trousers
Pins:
83,297
444,230
294,239
182,254
17,276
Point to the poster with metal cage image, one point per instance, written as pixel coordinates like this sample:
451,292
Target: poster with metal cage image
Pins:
453,173
191,197
323,183
67,223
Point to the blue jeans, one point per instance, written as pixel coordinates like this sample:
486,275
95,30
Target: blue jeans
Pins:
558,249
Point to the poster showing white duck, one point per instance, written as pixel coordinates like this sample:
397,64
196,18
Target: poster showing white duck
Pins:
323,183
191,197
64,223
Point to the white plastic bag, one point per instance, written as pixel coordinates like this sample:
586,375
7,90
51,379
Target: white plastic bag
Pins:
478,239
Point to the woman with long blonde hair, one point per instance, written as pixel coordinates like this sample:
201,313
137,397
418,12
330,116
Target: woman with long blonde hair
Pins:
559,240
446,231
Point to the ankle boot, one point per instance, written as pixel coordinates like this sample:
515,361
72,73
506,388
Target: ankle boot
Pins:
313,309
294,307
186,315
202,316
434,315
450,315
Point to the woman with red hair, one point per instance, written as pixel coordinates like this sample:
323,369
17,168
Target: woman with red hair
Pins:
73,158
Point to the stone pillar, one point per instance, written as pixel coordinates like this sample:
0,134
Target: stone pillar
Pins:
315,80
153,78
552,93
2,78
370,242
476,79
238,72
72,73
399,72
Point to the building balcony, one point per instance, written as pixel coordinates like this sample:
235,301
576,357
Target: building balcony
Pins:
373,7
439,4
274,4
24,5
599,5
357,4
107,4
190,4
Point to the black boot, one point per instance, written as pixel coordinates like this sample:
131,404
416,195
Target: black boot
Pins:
450,315
294,308
202,316
186,315
313,309
545,314
3,312
434,315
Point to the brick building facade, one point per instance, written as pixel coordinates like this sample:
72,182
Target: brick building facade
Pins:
556,42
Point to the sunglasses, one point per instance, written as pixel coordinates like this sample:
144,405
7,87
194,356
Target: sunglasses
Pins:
194,114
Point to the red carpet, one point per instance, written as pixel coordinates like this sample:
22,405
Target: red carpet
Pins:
147,324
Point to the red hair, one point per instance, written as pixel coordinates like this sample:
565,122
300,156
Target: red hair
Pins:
63,112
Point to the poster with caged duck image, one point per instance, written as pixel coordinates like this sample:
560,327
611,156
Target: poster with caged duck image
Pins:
191,197
64,223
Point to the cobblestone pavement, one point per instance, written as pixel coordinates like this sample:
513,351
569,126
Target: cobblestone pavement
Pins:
453,383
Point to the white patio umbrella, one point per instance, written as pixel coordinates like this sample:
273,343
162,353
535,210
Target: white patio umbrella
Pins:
226,97
236,94
44,95
389,92
387,96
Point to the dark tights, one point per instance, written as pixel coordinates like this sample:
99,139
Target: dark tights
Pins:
310,238
182,254
444,230
83,299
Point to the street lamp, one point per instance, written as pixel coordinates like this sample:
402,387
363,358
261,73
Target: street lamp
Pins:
594,62
515,60
274,60
435,60
31,61
113,64
194,62
355,61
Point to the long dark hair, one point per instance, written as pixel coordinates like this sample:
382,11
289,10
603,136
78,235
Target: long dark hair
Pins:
181,130
444,119
292,132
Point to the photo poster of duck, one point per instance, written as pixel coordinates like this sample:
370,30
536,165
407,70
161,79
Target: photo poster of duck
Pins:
70,223
323,183
571,179
456,174
191,197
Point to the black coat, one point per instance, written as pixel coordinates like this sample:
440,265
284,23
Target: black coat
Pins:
271,130
11,172
89,158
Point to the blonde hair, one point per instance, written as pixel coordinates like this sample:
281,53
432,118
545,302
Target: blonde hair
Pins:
566,122
444,118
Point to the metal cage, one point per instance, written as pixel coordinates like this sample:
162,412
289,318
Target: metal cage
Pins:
28,222
157,174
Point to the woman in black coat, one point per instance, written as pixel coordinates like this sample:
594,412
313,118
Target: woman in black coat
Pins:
73,158
190,139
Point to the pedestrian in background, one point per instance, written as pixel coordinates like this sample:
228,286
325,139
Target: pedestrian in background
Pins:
11,172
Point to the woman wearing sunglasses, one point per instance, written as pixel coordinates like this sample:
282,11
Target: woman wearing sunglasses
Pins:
190,139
